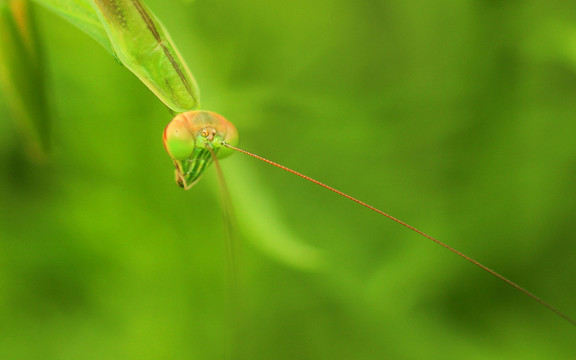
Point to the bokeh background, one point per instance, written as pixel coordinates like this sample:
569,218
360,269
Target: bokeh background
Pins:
456,117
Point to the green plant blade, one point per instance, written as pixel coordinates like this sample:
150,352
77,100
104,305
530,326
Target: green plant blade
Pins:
21,76
81,14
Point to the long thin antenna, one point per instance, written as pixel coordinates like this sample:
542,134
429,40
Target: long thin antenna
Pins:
237,347
483,267
229,222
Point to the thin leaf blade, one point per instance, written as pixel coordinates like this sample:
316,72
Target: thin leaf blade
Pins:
21,77
81,14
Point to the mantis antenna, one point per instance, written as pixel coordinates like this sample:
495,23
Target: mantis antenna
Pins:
483,267
235,298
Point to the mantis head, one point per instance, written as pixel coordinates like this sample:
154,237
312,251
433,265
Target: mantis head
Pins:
189,139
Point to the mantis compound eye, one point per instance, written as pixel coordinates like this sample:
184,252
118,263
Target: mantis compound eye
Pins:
178,138
229,135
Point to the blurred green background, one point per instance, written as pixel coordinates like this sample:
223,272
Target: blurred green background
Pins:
457,117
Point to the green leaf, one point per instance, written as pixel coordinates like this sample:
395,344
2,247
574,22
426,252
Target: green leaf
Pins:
21,76
81,14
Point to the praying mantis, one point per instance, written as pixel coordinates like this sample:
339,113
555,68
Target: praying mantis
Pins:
362,140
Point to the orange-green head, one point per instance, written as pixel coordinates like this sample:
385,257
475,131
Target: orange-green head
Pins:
188,138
